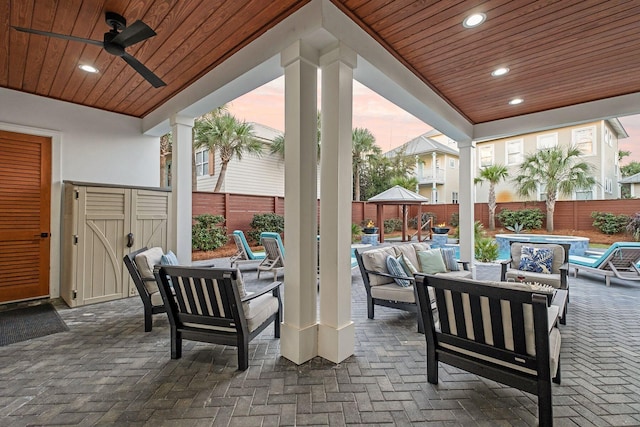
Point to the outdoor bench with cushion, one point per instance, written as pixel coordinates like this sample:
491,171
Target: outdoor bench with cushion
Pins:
501,331
395,289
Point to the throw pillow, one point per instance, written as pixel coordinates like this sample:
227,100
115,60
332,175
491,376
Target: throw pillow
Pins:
449,257
240,284
538,260
169,259
407,265
395,269
431,261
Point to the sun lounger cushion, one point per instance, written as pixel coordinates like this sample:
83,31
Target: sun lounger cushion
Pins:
431,262
538,260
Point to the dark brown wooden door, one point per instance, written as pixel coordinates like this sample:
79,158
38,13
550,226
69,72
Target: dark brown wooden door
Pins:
25,212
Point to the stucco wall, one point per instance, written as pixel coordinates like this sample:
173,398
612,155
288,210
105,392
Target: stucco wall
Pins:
87,145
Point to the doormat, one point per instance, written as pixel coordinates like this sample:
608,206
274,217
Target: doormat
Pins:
21,324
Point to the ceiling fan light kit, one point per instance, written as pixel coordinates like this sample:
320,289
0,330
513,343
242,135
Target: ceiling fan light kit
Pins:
115,42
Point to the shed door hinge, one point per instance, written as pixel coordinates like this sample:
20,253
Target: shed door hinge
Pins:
74,294
75,239
77,193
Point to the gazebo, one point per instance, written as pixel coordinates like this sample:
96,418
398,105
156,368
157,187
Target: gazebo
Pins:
398,195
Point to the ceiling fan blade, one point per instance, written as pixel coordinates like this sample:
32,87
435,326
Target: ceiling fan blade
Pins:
143,71
134,33
60,36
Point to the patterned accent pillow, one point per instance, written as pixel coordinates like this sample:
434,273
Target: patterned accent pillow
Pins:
538,260
407,265
449,257
395,269
169,259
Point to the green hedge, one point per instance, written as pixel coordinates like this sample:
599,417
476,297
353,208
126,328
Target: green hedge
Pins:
268,222
207,234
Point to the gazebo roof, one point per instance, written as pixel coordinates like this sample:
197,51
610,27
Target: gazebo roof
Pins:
398,196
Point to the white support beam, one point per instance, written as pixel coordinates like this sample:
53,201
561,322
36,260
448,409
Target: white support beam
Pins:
181,186
299,337
336,332
467,202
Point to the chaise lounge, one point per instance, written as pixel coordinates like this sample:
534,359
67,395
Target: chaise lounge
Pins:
620,260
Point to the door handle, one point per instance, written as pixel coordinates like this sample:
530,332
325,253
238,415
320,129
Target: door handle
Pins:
43,235
129,240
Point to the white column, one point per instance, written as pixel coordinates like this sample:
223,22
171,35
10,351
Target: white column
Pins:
434,172
181,153
336,332
467,202
299,333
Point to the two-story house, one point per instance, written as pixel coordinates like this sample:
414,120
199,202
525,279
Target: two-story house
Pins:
436,168
598,142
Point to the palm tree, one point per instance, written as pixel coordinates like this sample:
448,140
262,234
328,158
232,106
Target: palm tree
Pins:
277,146
560,170
229,136
363,144
493,175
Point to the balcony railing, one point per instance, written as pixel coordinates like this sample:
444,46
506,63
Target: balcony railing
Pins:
427,177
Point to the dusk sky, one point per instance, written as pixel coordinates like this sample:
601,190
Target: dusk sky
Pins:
390,125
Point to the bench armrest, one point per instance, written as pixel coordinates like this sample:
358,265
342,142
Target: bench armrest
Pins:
465,265
379,273
273,286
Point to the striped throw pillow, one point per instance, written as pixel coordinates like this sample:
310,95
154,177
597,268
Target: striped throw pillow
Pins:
395,269
449,257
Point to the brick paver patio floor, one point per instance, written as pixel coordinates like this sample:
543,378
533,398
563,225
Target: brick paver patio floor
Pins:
107,371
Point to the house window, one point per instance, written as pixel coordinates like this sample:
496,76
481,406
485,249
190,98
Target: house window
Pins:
548,140
608,185
584,139
514,152
454,197
542,192
584,195
452,163
486,156
202,163
607,137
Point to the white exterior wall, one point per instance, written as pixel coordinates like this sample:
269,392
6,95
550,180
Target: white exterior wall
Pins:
88,145
603,159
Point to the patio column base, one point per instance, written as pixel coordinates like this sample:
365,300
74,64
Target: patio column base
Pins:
298,345
336,344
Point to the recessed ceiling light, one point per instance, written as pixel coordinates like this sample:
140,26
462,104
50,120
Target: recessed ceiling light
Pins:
474,20
516,101
500,71
88,68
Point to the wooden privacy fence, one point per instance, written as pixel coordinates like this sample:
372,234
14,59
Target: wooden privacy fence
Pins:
568,215
239,209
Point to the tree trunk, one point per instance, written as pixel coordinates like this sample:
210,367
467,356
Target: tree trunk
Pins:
223,172
492,207
356,184
551,205
163,170
194,178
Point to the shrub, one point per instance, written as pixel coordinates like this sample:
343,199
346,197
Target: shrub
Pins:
413,221
392,224
486,249
633,227
269,222
529,219
355,232
455,219
206,234
609,223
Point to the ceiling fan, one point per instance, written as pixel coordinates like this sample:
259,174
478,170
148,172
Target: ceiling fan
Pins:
115,41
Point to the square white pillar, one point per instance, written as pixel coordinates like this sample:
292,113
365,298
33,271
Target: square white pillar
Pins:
181,154
336,332
467,203
299,332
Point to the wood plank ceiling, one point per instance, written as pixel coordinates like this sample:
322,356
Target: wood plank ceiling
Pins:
560,53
